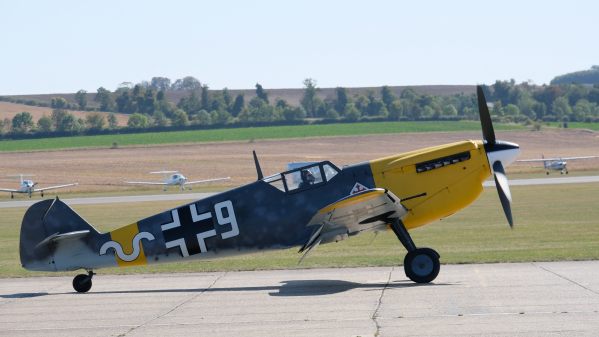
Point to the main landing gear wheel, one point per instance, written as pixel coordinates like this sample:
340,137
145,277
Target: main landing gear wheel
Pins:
82,283
422,265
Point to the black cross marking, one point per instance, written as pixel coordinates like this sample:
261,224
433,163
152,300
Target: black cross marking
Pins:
186,233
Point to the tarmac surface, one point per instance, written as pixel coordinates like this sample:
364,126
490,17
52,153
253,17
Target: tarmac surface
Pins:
523,299
196,196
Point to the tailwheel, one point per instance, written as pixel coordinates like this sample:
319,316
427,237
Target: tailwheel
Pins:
422,265
82,283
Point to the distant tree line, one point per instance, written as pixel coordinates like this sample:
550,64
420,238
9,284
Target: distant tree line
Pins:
590,77
148,108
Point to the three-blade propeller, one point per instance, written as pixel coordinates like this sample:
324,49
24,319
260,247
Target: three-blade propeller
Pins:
491,144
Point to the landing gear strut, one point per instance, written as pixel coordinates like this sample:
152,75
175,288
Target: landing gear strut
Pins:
421,265
82,283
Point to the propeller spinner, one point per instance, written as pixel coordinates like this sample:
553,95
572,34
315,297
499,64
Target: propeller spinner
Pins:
499,153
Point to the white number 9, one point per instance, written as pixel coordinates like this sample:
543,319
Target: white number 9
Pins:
226,220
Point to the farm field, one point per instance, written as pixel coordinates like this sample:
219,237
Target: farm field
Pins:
241,134
9,110
552,223
291,95
103,170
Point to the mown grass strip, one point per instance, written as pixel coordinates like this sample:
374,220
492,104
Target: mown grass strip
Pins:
241,134
577,125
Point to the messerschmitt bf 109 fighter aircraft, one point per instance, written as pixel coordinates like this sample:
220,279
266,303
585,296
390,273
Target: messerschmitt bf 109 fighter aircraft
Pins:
29,186
303,207
555,164
174,178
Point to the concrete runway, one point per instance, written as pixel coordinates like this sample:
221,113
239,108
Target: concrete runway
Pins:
524,299
195,196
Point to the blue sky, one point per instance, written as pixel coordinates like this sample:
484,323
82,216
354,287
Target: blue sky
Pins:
63,46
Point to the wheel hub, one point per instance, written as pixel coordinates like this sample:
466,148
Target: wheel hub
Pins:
422,265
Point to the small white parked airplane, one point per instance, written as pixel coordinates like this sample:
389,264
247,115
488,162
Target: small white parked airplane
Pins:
28,186
556,164
172,178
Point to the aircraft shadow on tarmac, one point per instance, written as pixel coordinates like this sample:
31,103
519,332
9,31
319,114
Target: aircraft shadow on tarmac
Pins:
287,288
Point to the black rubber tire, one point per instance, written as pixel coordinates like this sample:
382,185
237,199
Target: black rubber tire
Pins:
82,283
422,265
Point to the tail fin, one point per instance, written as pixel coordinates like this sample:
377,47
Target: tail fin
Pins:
45,225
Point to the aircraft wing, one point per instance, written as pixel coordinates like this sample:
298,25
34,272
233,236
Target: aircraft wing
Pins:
576,158
145,183
206,181
7,190
554,159
368,210
54,187
535,160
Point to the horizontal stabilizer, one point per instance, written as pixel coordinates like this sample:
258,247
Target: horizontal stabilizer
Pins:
60,237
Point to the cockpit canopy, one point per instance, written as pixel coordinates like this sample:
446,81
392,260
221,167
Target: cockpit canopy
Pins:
304,177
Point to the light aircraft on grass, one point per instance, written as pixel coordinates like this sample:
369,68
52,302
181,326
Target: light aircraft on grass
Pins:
302,207
29,186
555,164
174,178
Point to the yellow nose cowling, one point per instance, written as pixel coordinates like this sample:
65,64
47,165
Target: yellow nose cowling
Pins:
434,182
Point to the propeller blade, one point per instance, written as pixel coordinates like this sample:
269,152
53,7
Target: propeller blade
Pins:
503,189
485,116
258,169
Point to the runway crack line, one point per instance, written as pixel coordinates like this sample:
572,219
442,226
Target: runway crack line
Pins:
567,279
176,306
375,314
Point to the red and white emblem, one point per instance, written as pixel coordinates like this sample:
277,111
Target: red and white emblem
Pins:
358,188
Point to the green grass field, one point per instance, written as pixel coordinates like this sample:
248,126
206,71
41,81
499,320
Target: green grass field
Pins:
553,222
241,134
577,125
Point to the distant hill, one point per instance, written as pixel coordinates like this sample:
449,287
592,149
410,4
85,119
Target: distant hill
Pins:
590,77
292,96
